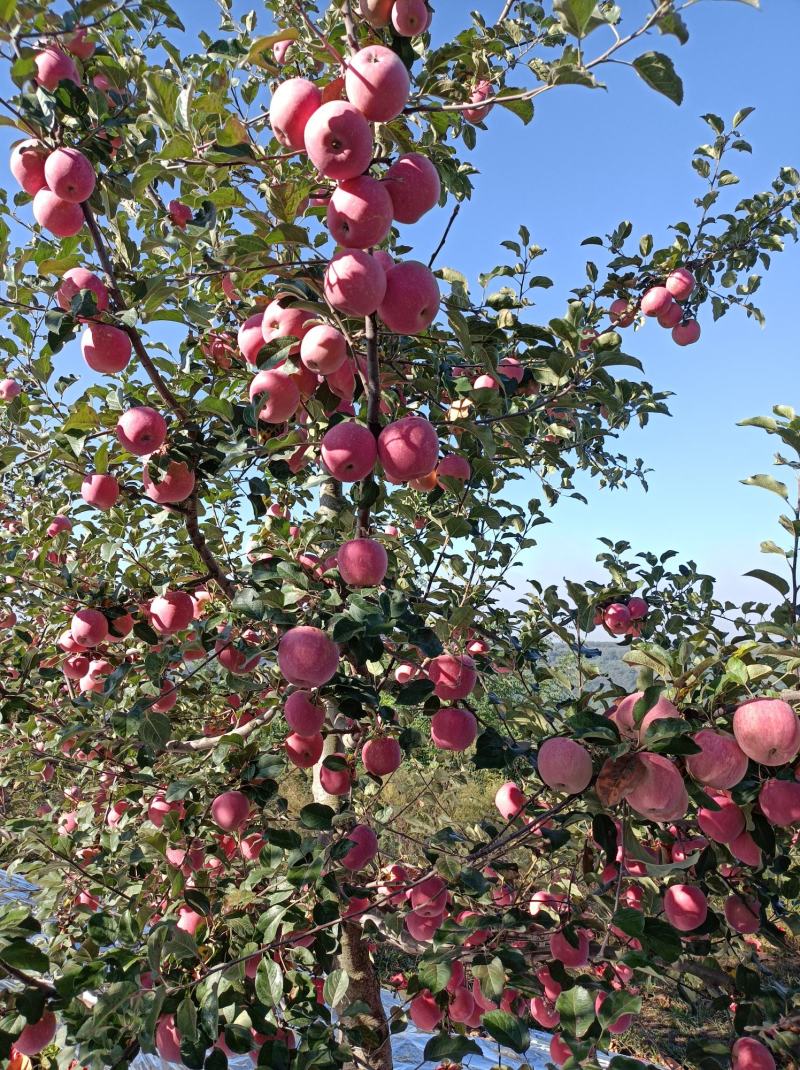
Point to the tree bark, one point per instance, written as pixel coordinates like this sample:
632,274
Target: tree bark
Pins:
354,959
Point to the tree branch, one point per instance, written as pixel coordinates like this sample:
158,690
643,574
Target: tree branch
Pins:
373,409
206,743
200,544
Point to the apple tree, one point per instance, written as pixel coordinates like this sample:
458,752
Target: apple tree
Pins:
256,559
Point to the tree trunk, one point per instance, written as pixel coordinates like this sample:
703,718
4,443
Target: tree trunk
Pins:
354,959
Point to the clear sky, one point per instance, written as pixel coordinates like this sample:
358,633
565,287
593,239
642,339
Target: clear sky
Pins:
590,159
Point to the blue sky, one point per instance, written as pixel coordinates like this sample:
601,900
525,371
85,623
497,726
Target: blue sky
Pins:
590,159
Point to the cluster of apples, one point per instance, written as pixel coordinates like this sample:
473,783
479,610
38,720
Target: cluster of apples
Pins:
623,618
408,18
664,304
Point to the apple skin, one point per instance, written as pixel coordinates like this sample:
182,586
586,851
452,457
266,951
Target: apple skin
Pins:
355,283
412,298
377,13
282,321
510,800
685,907
686,334
780,802
414,186
302,716
743,915
307,657
292,105
278,395
323,349
77,279
381,756
565,765
9,389
656,301
336,781
349,451
360,213
100,490
105,348
408,448
671,316
79,45
304,751
141,430
69,175
722,825
681,283
338,140
622,716
767,730
425,1012
453,729
168,1039
721,762
622,312
377,83
27,165
60,217
362,562
54,66
570,956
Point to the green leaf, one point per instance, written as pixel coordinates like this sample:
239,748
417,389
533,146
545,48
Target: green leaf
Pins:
767,483
248,602
616,1004
269,982
7,10
658,71
778,582
335,987
445,1047
523,109
24,956
577,16
435,975
316,816
508,1030
576,1007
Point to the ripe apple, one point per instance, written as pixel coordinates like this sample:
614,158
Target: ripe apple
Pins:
362,562
100,490
69,175
89,627
292,105
349,451
680,284
106,348
381,756
661,795
567,954
360,212
171,612
748,1053
721,762
37,1035
307,657
724,824
412,298
767,730
656,301
454,676
408,448
453,729
685,907
481,93
230,810
27,165
377,82
142,430
302,716
409,17
336,781
338,140
278,396
423,1010
564,765
60,217
687,333
323,349
54,66
77,279
414,187
174,485
355,283
250,338
363,850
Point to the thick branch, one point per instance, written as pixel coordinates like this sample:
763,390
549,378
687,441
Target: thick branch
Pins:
373,408
355,960
26,979
206,743
200,544
133,334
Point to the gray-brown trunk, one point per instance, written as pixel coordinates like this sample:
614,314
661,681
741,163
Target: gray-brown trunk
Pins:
375,1050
